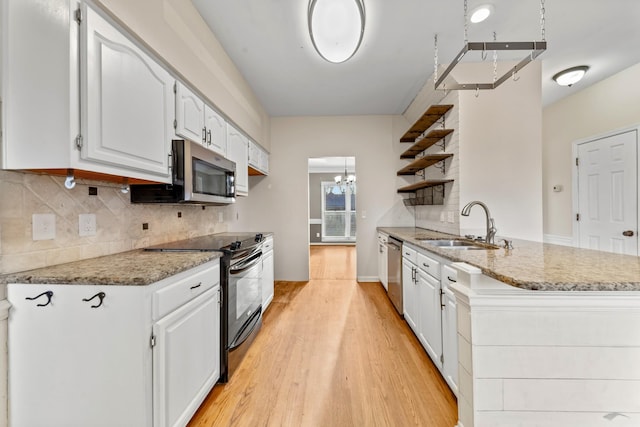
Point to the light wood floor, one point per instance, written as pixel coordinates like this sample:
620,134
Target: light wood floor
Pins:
332,352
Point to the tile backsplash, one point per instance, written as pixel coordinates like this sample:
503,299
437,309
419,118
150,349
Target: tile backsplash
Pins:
119,224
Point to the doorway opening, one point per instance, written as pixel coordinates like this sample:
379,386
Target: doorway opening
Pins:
332,192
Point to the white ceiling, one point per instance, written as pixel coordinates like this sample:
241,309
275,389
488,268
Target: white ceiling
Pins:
269,42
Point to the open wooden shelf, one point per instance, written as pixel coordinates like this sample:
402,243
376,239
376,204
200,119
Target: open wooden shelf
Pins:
423,184
431,138
429,117
423,162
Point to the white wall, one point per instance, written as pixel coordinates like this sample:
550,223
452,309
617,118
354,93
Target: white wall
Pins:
279,202
176,32
501,154
611,104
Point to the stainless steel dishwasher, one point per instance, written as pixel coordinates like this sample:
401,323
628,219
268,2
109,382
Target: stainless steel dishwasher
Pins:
394,272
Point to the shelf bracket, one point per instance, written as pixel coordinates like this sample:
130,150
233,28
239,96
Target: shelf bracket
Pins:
441,165
442,144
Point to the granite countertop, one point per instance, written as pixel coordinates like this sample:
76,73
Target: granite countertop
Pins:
131,268
537,266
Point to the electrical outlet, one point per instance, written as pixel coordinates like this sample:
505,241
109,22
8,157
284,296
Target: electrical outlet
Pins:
43,226
317,234
87,224
220,216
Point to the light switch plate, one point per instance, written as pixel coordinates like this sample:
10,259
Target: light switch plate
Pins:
87,224
43,226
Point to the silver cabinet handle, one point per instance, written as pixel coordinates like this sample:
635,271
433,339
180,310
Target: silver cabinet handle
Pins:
204,136
208,136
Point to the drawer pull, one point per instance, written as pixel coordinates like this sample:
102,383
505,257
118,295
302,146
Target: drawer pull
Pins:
451,280
100,295
196,286
425,264
49,294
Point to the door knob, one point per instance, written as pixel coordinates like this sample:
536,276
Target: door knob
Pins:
627,233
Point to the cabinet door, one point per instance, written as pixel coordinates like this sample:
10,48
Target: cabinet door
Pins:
128,99
382,264
450,341
409,294
429,316
237,151
267,279
72,364
254,155
186,359
264,162
216,127
189,115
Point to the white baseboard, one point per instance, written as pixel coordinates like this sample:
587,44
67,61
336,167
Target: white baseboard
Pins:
368,279
557,240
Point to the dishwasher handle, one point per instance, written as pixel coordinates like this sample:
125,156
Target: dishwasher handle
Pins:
394,246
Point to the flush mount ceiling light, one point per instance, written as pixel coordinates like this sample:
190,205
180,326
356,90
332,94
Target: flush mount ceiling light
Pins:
535,48
336,28
571,75
480,13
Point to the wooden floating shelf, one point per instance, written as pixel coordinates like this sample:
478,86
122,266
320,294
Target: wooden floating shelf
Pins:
423,184
429,117
431,138
423,162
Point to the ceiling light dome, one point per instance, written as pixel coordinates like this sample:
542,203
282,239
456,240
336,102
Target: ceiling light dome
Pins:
336,28
481,13
570,76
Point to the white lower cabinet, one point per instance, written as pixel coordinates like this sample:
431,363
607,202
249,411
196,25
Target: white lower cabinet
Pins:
182,377
430,308
267,273
90,355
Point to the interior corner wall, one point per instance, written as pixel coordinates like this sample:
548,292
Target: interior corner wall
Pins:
176,32
279,202
501,153
608,105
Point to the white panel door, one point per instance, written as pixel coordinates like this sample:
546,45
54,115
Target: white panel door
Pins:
129,101
607,194
186,359
189,115
238,152
429,316
216,127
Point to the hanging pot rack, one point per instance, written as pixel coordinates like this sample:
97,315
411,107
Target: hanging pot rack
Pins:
535,48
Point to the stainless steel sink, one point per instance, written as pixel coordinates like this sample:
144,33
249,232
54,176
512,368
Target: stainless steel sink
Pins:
459,244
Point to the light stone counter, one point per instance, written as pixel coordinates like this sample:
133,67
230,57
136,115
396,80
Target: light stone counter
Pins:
132,268
537,266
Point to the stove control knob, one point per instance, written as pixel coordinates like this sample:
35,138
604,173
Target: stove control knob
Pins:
258,237
236,245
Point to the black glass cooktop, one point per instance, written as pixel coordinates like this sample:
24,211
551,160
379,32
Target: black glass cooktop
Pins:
214,242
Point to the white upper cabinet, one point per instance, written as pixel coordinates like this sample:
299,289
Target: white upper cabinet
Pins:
198,122
216,131
129,100
189,114
258,159
77,93
238,152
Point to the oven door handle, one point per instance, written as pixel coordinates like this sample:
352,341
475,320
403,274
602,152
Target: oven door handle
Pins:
243,266
247,329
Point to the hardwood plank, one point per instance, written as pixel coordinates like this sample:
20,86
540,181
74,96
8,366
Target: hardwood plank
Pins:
332,352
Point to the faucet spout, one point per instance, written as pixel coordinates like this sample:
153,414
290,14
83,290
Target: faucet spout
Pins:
491,225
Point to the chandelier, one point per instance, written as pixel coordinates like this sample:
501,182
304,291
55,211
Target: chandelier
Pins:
345,181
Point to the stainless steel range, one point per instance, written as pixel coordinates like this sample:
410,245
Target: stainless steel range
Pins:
240,282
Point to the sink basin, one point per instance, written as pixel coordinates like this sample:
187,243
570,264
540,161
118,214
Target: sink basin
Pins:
458,244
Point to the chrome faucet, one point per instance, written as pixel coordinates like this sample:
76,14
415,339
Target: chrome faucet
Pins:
491,225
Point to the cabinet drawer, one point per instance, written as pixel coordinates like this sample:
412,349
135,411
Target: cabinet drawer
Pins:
382,238
449,275
429,265
409,253
172,296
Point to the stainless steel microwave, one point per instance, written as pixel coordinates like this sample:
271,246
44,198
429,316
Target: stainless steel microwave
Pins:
199,176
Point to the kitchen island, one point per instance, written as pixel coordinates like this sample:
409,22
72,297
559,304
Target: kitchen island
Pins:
547,335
